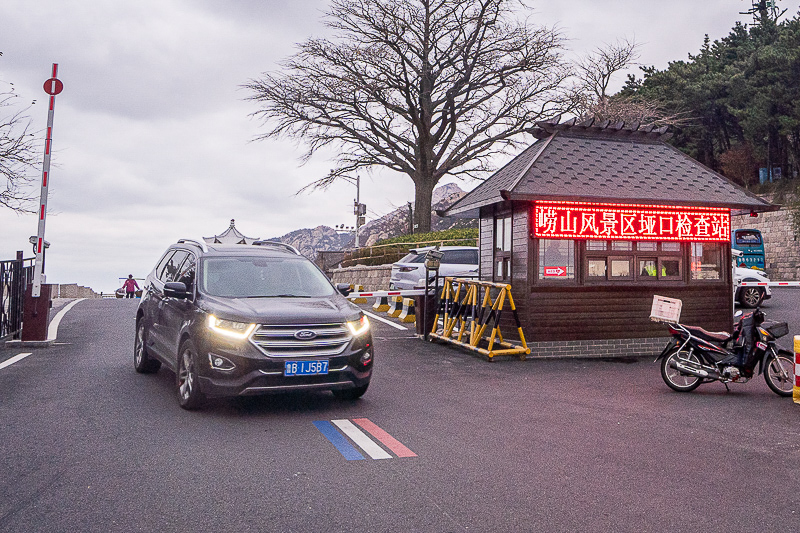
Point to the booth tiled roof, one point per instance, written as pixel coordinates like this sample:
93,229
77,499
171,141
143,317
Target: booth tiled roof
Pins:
606,164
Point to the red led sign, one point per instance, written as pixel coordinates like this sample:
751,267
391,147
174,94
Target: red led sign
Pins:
575,220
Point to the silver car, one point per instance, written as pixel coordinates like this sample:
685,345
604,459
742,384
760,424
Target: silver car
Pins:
457,261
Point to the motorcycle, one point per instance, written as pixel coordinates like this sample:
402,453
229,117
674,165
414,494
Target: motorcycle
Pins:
695,356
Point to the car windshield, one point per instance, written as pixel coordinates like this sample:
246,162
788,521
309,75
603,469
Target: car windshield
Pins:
262,277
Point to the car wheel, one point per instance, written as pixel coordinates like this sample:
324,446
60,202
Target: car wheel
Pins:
190,396
350,394
751,296
142,361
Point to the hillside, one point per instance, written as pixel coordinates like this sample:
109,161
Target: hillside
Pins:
311,240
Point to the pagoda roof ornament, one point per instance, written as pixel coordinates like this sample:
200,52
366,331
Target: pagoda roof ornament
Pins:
230,236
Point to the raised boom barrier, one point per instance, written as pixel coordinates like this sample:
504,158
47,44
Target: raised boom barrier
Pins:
796,389
469,313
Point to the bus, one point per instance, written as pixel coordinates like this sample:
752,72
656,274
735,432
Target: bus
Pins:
751,244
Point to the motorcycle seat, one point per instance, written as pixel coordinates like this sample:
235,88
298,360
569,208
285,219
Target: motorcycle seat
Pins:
713,336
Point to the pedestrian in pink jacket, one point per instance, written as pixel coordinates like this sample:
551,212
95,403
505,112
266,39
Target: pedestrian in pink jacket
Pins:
130,287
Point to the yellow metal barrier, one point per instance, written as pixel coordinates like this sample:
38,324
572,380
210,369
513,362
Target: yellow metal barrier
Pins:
467,308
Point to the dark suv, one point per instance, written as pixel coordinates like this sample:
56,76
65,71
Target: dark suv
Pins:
239,319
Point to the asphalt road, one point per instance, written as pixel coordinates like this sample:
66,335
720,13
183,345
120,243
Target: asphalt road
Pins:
541,445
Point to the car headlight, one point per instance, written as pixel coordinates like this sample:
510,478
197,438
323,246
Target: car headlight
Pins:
229,328
358,327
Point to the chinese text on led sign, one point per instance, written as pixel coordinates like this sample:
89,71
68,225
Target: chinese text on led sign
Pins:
573,220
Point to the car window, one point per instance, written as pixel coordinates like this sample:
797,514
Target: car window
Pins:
187,272
748,237
262,277
460,257
170,268
413,257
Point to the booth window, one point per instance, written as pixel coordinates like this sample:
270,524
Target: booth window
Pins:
556,259
502,248
706,261
629,260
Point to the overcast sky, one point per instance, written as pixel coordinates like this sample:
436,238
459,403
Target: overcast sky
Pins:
152,139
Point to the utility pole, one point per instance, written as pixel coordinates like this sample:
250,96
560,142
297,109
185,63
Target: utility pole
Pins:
359,209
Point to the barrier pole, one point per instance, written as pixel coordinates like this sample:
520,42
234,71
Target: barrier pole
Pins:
796,390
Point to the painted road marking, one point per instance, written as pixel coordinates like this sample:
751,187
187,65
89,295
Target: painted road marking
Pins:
390,442
338,440
376,317
52,329
9,362
361,439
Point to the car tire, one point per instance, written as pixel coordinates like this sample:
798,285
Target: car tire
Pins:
190,397
750,297
142,362
350,394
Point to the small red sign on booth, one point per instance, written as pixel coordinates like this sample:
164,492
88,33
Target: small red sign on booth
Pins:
555,271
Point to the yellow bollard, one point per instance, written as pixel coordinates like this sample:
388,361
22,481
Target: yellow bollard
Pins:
395,306
409,311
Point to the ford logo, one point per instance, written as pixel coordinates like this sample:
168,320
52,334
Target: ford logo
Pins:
305,335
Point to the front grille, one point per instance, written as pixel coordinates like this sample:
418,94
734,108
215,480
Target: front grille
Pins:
280,341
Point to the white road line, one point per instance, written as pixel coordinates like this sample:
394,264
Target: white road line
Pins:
9,362
52,330
361,439
376,317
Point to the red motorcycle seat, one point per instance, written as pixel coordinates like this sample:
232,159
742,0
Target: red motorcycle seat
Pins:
715,336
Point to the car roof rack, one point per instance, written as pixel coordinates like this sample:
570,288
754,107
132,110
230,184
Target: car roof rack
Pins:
277,244
199,244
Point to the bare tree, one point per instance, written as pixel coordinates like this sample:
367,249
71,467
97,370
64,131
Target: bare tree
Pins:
425,88
18,154
594,74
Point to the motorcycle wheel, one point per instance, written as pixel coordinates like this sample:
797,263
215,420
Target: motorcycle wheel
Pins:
674,378
779,374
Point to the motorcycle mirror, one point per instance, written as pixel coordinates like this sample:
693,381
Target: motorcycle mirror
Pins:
737,314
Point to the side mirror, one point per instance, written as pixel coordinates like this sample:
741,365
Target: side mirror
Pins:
175,289
343,288
737,314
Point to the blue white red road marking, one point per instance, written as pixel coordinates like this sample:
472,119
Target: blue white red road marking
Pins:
338,432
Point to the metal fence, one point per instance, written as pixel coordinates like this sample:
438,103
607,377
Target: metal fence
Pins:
15,274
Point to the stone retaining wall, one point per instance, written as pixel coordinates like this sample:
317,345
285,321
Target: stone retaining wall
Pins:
373,278
781,244
72,290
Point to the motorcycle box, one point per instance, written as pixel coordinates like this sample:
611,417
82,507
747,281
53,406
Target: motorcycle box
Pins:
777,329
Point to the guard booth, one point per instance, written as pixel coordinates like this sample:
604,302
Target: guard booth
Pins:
592,221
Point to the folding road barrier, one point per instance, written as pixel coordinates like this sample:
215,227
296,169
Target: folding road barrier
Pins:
467,308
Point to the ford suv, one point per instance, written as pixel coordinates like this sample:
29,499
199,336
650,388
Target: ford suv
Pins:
239,319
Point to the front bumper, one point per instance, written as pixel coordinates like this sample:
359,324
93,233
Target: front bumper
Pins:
254,373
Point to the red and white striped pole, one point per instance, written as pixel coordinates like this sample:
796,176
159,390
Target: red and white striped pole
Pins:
796,391
53,86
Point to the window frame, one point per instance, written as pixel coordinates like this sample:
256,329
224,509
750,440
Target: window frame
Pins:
540,279
635,255
501,256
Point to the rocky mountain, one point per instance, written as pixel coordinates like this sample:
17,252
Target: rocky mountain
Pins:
311,240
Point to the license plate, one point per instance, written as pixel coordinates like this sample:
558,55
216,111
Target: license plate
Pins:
305,368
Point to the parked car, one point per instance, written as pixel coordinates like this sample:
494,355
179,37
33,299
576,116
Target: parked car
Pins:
457,261
750,296
240,319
